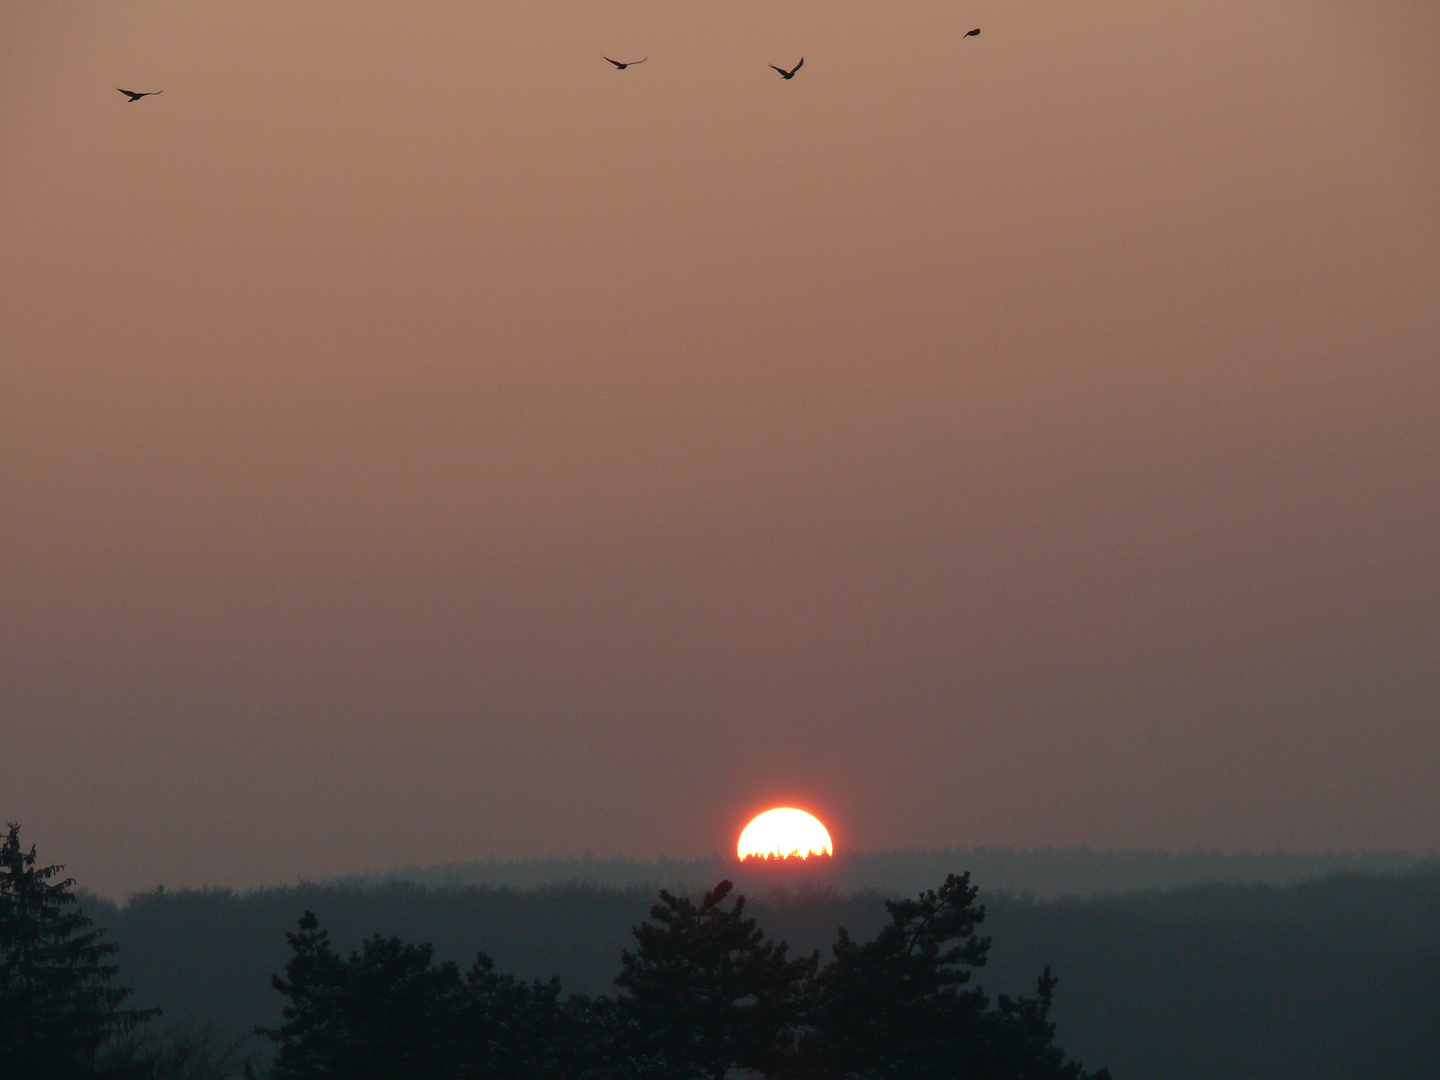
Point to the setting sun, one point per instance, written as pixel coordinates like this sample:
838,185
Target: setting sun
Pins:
784,832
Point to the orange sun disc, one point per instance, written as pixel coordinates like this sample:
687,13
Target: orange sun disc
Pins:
784,832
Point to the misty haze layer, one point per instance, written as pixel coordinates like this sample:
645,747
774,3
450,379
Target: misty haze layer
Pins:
1046,873
422,442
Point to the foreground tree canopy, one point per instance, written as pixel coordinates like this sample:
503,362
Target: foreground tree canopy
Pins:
704,992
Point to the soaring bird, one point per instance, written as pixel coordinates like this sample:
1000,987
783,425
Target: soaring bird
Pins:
134,97
974,33
627,63
791,73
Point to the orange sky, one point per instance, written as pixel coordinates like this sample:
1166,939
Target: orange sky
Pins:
420,441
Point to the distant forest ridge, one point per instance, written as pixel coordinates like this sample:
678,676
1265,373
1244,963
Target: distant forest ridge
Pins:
1045,873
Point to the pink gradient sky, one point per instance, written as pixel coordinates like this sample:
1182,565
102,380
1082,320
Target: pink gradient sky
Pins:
420,441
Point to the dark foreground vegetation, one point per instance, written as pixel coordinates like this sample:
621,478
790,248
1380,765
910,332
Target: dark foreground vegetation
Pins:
703,993
1332,978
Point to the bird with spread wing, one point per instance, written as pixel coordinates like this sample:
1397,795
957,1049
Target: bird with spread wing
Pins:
134,97
791,73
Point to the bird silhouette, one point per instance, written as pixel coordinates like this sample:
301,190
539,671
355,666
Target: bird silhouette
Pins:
627,63
974,33
791,73
134,97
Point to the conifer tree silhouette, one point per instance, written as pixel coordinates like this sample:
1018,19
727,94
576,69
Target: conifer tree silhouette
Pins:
707,992
901,1005
388,1010
385,1011
58,1004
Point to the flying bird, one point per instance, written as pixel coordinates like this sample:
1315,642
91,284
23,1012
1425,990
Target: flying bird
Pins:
627,63
974,33
134,97
791,73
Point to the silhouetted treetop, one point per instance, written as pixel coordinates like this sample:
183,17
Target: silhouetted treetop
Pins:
900,1005
706,991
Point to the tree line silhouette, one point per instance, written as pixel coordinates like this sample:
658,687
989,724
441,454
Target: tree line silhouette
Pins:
703,992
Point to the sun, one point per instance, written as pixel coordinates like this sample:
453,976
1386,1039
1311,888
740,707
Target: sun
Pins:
784,832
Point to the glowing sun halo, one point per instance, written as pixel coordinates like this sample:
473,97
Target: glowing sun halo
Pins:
782,832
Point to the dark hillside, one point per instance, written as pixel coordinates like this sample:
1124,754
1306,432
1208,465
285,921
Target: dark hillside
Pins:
1334,978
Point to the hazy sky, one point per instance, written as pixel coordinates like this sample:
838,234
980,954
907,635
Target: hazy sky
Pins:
420,441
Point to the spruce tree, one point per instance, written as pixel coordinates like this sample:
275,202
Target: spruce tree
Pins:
707,992
390,1011
386,1011
58,1001
903,1005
